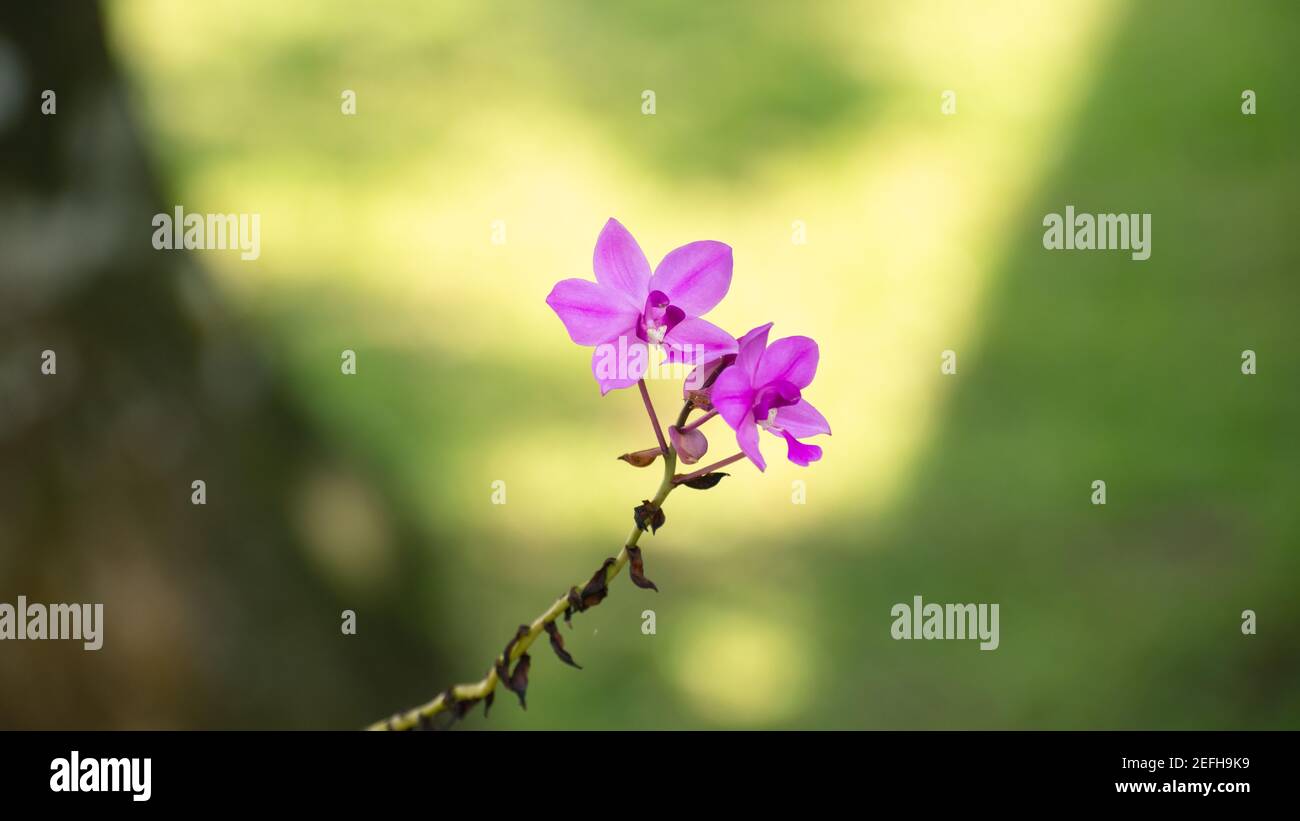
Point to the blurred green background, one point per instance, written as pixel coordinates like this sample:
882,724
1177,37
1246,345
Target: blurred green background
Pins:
923,234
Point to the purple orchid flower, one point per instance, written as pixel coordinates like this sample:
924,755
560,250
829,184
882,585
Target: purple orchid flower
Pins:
762,389
627,308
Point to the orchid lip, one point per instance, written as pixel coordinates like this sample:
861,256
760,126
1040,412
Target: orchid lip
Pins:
778,394
658,318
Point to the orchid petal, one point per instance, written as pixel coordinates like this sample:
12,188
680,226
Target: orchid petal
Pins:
798,452
619,363
747,437
591,312
694,340
750,350
732,397
793,359
620,264
802,419
696,276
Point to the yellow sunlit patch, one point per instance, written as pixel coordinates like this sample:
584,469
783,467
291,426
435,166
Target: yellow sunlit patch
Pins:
742,668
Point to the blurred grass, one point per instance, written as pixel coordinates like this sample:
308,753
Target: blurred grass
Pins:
923,234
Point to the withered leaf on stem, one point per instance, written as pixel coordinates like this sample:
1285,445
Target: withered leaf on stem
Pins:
557,644
454,710
575,606
502,665
519,679
637,569
648,516
502,669
706,481
700,399
598,587
510,645
641,458
461,708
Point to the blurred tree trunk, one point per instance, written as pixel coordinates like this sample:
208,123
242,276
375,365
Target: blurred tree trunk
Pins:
215,615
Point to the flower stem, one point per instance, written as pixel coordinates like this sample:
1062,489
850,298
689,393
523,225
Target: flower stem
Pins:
684,428
654,419
706,417
689,476
422,715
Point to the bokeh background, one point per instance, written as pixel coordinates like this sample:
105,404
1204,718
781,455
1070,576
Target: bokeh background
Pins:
373,492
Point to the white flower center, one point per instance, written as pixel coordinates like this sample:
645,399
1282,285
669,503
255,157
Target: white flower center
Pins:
770,421
655,333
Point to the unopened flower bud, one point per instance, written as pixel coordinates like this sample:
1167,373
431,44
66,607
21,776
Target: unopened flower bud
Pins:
690,445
